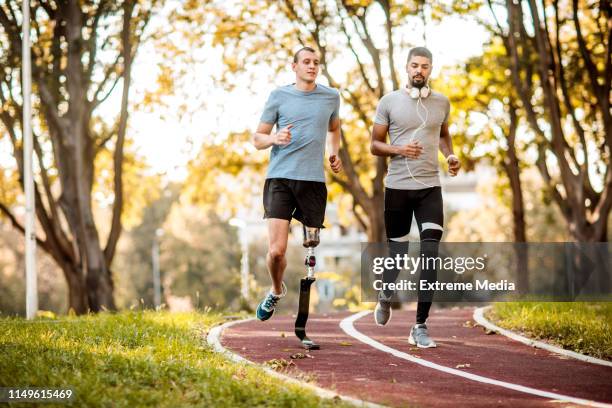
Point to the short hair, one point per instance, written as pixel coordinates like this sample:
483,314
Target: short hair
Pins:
420,52
297,54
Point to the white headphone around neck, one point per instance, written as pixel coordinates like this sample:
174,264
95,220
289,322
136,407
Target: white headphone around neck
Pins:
416,93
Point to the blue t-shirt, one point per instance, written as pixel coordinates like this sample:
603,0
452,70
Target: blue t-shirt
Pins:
310,113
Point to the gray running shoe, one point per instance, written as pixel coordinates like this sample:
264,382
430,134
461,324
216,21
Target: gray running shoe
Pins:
419,337
382,313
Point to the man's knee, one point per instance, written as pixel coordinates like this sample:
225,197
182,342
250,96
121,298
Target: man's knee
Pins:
430,240
277,253
431,232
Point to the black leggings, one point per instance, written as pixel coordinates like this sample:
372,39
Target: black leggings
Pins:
426,205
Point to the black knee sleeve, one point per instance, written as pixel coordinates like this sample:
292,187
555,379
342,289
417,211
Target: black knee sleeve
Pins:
429,235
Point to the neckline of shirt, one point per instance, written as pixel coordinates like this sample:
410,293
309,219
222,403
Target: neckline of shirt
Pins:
299,91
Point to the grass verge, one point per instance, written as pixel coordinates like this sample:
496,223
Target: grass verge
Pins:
137,359
579,326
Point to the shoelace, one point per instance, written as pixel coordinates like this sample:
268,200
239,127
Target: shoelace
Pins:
270,302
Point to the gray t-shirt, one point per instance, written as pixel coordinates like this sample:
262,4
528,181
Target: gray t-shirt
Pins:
310,113
399,111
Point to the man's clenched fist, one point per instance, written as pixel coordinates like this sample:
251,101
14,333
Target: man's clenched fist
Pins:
335,163
283,136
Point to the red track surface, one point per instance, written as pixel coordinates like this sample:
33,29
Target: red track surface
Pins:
355,369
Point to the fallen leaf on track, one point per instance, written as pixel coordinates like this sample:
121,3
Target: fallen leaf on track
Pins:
279,363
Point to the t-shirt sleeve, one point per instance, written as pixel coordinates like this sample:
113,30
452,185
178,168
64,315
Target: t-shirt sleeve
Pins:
336,111
270,112
446,111
382,113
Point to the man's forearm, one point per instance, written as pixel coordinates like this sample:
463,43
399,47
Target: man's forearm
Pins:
446,142
446,150
262,141
446,146
378,148
334,141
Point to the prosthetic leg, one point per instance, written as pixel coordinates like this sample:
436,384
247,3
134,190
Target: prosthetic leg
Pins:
311,240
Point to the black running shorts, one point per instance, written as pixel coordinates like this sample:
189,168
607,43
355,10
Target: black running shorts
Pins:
303,200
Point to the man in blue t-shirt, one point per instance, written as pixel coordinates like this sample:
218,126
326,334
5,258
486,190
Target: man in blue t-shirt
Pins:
304,113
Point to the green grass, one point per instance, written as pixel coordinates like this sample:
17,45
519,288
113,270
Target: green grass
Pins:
579,326
137,359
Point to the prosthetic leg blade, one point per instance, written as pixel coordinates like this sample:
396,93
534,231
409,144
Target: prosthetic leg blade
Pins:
302,316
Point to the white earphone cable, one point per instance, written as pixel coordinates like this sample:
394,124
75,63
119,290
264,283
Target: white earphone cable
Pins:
421,127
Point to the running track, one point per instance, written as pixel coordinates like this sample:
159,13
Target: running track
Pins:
501,372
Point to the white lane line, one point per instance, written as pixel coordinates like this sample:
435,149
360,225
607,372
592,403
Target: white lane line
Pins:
214,339
481,320
349,328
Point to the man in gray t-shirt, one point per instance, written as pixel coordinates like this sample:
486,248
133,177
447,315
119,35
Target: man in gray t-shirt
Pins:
404,117
416,120
304,114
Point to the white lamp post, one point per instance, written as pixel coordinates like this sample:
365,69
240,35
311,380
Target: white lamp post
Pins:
156,274
244,260
28,177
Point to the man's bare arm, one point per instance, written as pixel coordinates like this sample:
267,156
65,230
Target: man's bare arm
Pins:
446,147
446,143
263,138
333,131
380,147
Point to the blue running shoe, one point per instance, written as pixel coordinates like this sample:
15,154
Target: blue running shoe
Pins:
266,308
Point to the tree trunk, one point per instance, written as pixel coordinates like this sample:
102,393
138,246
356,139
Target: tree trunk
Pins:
376,217
512,169
99,281
77,300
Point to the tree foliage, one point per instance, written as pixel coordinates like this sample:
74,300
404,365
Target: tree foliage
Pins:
561,69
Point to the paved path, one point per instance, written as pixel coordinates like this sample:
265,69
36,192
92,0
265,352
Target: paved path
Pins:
351,367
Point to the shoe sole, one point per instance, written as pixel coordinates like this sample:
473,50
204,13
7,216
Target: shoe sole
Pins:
414,343
382,324
388,320
263,320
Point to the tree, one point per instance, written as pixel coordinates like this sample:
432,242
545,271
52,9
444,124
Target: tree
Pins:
225,174
493,221
200,257
560,60
487,122
134,258
80,52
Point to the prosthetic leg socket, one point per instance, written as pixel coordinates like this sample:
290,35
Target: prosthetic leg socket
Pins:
311,240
